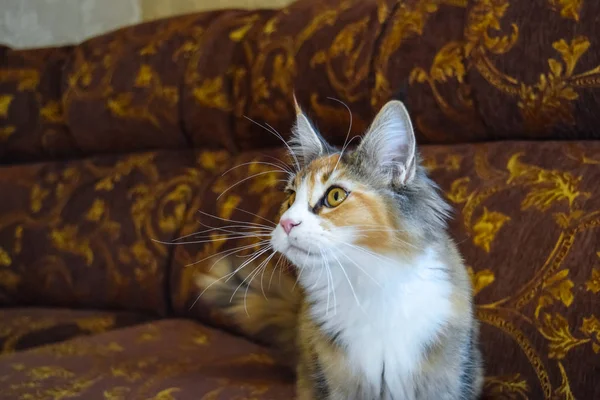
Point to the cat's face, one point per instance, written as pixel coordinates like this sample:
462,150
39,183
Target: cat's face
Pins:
355,202
327,208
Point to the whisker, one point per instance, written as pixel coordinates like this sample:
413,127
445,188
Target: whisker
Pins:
360,248
263,246
264,268
230,251
251,276
244,180
318,278
228,276
282,164
226,232
244,264
210,240
233,221
258,162
349,282
297,277
327,276
256,215
275,269
347,134
277,135
274,131
226,229
255,255
332,289
213,229
360,268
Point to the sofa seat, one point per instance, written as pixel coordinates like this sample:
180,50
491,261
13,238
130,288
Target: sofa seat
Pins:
25,328
168,359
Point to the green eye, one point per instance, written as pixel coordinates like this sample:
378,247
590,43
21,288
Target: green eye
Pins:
335,197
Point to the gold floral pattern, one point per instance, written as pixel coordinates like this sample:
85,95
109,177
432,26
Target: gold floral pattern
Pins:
24,328
486,228
509,201
593,284
111,124
567,8
116,366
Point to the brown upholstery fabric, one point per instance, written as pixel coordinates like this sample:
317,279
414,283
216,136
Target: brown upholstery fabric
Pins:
24,328
170,359
476,69
113,144
31,119
527,222
82,233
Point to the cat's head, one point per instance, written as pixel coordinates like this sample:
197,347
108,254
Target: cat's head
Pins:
373,199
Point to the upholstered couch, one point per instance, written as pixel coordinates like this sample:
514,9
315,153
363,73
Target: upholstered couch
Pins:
110,146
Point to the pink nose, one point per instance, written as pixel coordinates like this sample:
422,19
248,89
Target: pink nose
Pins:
288,225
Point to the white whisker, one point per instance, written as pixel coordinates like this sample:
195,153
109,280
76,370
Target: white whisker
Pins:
360,268
378,256
275,269
244,180
233,221
229,252
349,282
237,270
277,135
264,268
282,163
256,215
218,239
259,163
347,134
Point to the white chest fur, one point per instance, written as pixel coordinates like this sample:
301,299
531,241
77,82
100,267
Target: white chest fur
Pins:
383,321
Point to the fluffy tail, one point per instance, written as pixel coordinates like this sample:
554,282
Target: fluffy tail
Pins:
264,306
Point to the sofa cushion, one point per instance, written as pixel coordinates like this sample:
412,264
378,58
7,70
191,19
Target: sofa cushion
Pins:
527,222
169,359
82,233
23,328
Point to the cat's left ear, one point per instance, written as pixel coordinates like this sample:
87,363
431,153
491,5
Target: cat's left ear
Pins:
306,143
389,145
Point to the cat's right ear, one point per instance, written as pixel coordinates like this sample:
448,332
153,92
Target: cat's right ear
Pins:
306,144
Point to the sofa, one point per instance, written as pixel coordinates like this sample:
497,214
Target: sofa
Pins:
112,149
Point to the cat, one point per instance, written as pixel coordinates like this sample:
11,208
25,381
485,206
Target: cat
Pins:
384,304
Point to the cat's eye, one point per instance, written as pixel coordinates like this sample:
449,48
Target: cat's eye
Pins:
335,197
291,199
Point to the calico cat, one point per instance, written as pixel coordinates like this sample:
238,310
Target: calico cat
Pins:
383,308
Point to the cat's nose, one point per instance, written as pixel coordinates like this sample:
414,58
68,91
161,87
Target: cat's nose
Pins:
288,224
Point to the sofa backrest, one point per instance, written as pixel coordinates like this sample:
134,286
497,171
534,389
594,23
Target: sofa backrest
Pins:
475,71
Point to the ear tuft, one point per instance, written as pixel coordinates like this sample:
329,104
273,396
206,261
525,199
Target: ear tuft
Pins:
306,144
389,145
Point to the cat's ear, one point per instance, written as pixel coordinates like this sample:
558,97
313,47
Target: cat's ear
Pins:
389,146
306,144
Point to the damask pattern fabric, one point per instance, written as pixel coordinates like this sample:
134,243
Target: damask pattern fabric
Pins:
170,359
527,222
88,233
475,70
111,147
25,328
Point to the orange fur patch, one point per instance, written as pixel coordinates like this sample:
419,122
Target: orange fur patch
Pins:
366,212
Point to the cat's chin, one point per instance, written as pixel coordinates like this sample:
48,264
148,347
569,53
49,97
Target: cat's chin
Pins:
299,256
